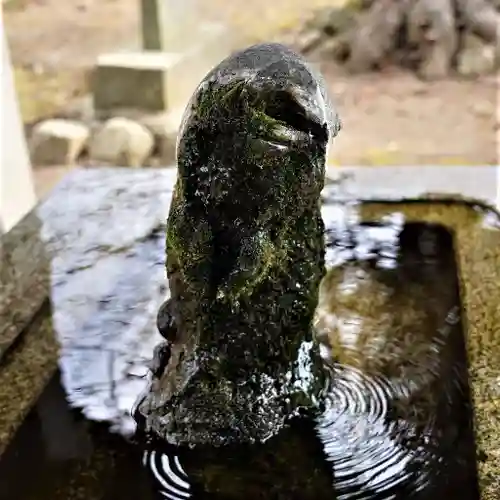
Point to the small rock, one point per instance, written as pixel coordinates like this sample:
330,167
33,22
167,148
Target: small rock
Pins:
477,60
164,127
58,142
483,109
81,109
121,141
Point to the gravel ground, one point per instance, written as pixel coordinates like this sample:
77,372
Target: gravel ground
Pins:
389,118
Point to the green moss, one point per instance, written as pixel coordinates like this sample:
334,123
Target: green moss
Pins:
245,251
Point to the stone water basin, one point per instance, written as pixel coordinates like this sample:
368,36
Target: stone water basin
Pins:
406,276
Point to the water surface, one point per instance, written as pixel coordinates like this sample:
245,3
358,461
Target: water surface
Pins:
397,423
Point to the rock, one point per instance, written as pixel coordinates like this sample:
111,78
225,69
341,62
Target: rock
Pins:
58,142
245,252
164,127
477,59
121,141
81,109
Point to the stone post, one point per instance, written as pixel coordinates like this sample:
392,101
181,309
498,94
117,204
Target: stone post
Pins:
177,51
17,195
168,25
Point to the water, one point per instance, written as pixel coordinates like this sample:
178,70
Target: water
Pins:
108,281
397,422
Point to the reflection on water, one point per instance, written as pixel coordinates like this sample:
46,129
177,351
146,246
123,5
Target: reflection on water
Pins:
397,417
108,281
58,455
396,424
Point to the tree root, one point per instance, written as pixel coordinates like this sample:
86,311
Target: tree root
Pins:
425,35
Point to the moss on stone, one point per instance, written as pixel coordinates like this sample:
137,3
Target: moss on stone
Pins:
245,250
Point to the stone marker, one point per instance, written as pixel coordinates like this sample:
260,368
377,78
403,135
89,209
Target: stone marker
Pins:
58,142
137,80
177,52
121,141
154,80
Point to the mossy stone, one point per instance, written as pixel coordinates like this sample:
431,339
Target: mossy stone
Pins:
245,252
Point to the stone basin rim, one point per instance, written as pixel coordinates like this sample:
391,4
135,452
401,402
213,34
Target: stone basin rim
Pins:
427,198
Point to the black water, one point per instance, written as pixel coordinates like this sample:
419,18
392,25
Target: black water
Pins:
397,422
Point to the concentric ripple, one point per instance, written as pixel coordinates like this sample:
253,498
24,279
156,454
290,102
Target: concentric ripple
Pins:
368,448
170,479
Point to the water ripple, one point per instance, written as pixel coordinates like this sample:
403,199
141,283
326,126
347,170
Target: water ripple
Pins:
359,439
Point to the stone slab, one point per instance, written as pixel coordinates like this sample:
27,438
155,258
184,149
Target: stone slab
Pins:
155,81
480,182
25,372
24,279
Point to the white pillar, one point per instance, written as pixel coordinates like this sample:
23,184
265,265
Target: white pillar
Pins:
17,194
498,187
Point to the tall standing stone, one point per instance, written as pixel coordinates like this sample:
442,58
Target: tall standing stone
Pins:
245,254
168,25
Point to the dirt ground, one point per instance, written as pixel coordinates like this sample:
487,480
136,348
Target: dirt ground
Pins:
389,118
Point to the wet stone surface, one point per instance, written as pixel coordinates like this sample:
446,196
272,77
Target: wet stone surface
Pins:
105,232
24,279
245,254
